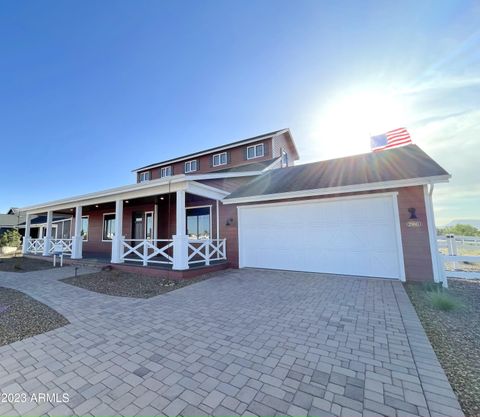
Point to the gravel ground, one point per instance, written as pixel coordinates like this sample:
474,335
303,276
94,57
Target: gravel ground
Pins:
22,316
455,337
127,284
21,264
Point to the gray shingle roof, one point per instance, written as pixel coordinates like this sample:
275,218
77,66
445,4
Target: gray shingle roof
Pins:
407,162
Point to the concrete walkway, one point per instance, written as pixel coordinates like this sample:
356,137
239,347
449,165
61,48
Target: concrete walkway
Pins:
246,342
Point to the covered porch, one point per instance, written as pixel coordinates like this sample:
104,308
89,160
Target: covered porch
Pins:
171,224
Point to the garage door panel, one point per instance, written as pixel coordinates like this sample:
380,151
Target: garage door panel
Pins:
355,236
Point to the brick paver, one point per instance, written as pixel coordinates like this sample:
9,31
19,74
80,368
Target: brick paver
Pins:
247,342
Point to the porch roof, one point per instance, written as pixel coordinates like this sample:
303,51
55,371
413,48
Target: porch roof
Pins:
132,191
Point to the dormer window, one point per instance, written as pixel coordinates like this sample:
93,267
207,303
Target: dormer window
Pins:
144,176
220,159
165,172
191,166
255,151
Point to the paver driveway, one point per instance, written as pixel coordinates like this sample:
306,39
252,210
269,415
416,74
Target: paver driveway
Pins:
244,342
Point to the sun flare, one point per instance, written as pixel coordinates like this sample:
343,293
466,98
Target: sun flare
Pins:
345,125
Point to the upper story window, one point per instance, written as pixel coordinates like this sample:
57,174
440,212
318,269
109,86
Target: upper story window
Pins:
191,166
165,172
284,159
220,159
255,151
144,176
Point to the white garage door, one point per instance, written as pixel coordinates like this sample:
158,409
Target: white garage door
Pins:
349,235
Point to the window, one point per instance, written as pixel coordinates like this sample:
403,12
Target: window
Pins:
220,159
198,222
190,166
284,159
84,231
108,226
149,225
255,151
144,176
165,172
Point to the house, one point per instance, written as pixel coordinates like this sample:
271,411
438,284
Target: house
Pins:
246,204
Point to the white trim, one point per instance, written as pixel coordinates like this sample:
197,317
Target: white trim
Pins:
394,199
189,163
255,156
337,190
206,191
217,215
398,231
209,218
103,225
432,235
219,159
218,149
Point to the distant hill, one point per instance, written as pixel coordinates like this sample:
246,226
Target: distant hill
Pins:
474,223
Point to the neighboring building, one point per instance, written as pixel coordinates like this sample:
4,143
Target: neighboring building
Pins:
245,204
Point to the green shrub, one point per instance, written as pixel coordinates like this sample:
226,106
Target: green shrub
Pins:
11,238
444,301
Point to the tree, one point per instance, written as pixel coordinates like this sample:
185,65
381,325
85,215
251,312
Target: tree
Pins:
460,230
11,238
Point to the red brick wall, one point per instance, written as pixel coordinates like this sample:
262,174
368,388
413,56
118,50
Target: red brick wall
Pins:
415,241
236,158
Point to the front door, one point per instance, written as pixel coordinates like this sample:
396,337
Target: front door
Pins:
138,226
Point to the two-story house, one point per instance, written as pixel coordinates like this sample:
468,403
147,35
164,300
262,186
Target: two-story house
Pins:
246,204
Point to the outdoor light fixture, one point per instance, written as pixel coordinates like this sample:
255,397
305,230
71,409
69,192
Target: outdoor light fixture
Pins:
412,211
96,205
162,198
229,222
126,201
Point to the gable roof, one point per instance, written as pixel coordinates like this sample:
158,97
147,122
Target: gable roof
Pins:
219,148
403,163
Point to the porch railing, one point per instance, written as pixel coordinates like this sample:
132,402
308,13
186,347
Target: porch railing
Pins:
206,250
36,245
155,251
64,244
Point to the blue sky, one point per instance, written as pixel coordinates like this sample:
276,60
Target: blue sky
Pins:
90,90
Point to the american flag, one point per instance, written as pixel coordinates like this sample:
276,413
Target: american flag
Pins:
397,137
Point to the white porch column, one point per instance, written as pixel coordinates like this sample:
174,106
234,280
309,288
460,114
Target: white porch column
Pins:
26,238
117,237
180,239
77,239
48,235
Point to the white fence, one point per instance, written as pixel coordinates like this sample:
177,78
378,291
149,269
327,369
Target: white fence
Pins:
461,256
160,251
206,250
35,245
60,245
155,251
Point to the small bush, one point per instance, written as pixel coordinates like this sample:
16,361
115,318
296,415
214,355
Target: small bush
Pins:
432,286
11,238
444,301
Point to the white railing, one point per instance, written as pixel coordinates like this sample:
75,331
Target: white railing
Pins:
206,250
452,258
156,251
64,244
35,245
